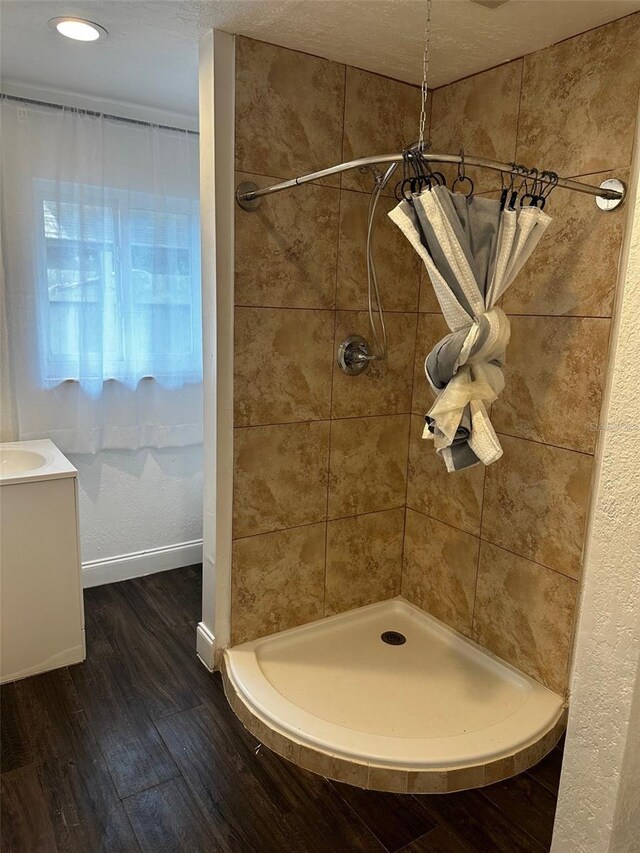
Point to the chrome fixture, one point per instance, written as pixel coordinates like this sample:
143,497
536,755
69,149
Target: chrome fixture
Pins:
354,355
606,202
246,195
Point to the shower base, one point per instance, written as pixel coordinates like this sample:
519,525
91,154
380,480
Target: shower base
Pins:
435,713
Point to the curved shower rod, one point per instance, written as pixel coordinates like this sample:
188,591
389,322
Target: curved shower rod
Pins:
609,194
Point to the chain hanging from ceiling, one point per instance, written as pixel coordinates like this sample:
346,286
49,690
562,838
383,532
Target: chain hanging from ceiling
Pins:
425,79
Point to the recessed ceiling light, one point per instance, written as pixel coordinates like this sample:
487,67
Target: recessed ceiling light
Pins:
78,29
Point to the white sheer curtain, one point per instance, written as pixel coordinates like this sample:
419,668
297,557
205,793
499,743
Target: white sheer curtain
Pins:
100,232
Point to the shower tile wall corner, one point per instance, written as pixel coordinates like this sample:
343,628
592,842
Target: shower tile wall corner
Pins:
320,458
572,108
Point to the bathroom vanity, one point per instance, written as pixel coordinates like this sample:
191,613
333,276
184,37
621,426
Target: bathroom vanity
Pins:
41,609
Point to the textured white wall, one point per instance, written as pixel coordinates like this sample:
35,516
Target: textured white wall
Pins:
599,802
134,500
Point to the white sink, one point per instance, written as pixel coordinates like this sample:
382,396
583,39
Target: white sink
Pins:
16,461
28,461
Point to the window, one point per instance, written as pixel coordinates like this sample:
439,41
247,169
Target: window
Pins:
119,285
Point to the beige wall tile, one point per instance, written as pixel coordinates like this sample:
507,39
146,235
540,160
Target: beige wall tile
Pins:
385,386
479,114
524,614
397,263
364,560
282,365
574,269
289,110
535,503
453,498
431,329
368,464
554,375
579,101
439,570
277,581
280,476
381,117
286,251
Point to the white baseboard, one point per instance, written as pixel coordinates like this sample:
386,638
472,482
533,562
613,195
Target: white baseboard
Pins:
205,646
135,565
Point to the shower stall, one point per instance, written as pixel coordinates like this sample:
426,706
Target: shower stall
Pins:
377,619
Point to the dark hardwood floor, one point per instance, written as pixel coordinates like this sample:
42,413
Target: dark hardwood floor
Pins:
137,750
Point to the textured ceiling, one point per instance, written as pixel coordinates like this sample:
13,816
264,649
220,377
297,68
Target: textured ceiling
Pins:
150,57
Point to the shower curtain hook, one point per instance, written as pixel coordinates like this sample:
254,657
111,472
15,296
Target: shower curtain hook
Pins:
462,176
461,170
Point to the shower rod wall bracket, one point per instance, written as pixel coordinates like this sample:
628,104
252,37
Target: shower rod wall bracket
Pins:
611,203
245,189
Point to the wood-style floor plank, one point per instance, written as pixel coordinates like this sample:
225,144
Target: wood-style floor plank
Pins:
527,804
15,745
50,709
394,819
477,824
174,596
167,819
132,747
152,655
84,808
324,826
436,841
547,772
218,771
25,824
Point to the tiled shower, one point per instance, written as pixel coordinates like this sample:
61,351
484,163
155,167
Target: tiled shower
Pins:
337,500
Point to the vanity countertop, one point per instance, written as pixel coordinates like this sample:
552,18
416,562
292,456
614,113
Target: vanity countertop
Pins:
30,461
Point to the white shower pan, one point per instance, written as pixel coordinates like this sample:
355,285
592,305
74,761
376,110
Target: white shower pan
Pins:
436,713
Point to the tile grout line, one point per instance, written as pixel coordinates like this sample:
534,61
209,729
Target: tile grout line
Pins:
323,420
475,589
515,314
339,308
333,344
599,438
515,141
413,380
411,414
494,544
363,310
326,521
545,443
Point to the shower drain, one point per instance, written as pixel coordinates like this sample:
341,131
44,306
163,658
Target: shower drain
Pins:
393,638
